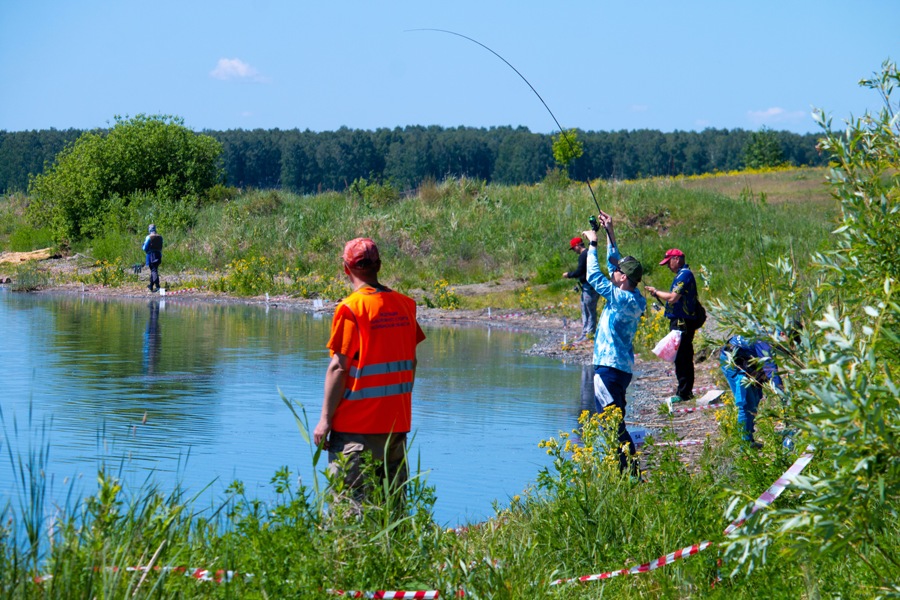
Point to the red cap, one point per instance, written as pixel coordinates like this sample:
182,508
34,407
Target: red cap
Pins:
359,250
670,254
574,242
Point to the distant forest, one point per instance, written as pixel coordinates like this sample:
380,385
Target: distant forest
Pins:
307,161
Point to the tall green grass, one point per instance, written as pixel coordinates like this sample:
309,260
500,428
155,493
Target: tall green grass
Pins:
464,231
581,518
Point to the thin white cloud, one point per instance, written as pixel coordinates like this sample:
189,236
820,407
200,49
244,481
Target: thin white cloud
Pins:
775,115
638,108
234,69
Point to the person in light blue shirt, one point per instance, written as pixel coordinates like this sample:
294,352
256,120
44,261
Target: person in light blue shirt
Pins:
614,343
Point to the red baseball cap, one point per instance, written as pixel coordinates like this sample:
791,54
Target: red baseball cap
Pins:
670,254
359,250
574,242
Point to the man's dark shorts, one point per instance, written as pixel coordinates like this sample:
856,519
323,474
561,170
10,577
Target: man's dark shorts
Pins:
353,445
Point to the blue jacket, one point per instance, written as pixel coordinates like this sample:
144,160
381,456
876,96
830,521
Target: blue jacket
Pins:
614,344
153,245
753,358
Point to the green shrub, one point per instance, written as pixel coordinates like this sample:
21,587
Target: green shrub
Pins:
842,362
252,276
219,193
27,238
153,154
374,194
444,296
29,276
110,273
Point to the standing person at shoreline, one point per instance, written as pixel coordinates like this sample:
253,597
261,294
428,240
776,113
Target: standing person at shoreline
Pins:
614,344
686,315
367,406
589,296
153,245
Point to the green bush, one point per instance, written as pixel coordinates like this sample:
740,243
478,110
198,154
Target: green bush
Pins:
109,273
444,296
147,154
29,276
374,194
842,362
252,276
27,238
551,271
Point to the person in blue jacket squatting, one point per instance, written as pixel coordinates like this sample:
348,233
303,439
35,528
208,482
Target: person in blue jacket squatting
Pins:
153,245
748,365
614,343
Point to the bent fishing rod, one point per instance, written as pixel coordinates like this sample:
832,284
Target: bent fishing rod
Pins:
555,120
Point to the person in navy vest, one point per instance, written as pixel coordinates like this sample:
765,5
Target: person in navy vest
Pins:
685,314
153,245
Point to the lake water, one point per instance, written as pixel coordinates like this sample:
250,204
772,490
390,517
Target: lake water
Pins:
79,375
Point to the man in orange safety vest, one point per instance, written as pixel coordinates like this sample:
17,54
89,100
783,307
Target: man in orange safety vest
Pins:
367,406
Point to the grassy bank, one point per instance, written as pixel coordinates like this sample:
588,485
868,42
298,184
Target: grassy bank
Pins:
464,232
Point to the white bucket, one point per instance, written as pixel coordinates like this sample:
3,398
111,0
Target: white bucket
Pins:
162,291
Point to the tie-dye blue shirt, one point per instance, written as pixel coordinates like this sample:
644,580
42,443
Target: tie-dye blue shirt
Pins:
614,341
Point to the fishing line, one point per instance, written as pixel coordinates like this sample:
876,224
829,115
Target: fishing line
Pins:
764,272
555,120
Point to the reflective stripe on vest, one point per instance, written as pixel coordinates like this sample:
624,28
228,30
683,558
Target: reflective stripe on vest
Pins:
379,391
377,397
382,368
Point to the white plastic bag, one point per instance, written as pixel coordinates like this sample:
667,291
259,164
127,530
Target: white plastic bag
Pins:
667,347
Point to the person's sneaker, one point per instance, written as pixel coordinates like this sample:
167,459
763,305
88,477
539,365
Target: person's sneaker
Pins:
579,339
674,400
755,445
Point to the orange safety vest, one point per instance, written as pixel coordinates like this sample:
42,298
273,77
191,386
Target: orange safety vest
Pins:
378,390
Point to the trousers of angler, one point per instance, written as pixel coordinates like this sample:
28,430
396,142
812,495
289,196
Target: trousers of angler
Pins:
528,83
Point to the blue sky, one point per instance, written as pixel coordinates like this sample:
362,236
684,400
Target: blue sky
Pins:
600,65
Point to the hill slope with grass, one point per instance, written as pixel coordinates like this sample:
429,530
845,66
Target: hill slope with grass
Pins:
461,234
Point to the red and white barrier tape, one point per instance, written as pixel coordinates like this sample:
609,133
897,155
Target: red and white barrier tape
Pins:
774,490
184,291
680,443
386,594
764,500
219,576
696,408
509,316
648,566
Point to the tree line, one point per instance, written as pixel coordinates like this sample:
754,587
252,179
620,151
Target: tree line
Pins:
308,162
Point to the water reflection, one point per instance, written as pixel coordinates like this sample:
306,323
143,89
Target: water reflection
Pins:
152,337
588,402
208,378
